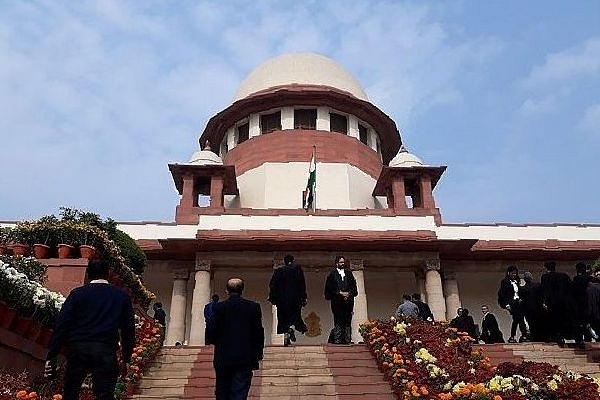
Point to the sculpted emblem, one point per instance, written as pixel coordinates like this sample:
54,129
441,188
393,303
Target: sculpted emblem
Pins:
313,323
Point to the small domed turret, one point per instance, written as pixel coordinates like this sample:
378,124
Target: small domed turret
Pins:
406,159
205,157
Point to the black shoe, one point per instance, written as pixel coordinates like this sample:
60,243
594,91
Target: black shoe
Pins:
512,340
292,334
286,340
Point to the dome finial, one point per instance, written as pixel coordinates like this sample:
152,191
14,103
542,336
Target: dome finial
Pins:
405,158
207,146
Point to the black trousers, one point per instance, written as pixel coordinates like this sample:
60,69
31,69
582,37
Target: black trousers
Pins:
342,319
518,318
100,360
232,383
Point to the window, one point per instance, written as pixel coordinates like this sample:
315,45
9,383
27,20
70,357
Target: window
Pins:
270,122
305,119
363,134
338,123
243,132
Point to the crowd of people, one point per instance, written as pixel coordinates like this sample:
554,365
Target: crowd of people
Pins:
555,309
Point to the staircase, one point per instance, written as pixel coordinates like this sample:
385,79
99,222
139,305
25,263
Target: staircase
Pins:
302,372
566,358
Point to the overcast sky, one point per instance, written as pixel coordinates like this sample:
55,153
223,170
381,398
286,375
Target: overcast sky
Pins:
96,98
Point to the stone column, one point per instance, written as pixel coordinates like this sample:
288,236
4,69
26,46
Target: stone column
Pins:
200,298
187,192
433,286
399,193
276,338
360,301
323,123
451,294
216,191
420,279
427,193
176,326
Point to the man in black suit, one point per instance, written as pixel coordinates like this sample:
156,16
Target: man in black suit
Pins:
509,298
490,332
236,331
557,299
424,310
340,289
92,321
287,291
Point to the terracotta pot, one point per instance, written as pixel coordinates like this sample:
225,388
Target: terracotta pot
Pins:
44,337
41,251
65,250
22,325
88,252
7,315
20,249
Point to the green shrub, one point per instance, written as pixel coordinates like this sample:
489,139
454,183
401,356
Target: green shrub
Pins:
134,257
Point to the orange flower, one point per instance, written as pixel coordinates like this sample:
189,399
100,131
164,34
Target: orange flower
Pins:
496,397
57,397
32,395
22,394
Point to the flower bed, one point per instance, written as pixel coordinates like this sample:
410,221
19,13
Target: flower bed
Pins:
21,288
148,341
424,360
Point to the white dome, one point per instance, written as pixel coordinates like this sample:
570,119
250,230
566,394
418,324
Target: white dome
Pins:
406,159
299,68
205,157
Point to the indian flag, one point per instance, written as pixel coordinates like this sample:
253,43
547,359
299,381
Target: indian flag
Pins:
309,193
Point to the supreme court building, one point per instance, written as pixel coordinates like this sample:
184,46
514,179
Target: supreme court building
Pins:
240,211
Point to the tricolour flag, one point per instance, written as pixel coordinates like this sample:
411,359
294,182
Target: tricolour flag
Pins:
309,193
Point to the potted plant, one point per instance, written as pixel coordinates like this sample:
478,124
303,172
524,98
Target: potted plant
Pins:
66,234
20,237
44,236
87,238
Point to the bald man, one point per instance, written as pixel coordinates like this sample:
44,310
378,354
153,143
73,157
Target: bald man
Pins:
236,331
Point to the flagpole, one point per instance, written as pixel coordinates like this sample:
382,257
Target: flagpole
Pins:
315,185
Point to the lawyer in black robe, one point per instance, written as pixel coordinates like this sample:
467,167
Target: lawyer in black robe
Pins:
287,291
490,332
340,290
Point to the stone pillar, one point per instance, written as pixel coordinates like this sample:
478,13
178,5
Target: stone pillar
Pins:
231,142
253,125
323,123
176,326
216,191
361,313
451,294
399,193
276,338
200,298
187,192
287,118
353,126
433,286
427,200
420,279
